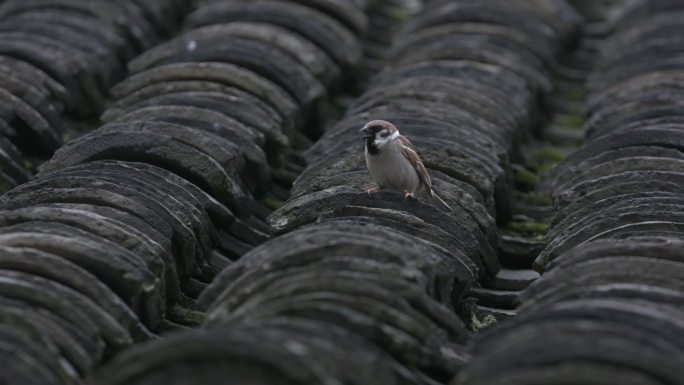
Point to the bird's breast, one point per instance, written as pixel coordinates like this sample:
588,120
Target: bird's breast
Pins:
392,170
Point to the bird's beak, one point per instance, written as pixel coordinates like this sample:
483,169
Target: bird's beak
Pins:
366,133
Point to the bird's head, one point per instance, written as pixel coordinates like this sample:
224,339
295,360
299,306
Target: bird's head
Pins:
378,133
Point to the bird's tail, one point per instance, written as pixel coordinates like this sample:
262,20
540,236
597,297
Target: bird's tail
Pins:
434,195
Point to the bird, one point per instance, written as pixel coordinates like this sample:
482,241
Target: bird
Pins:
393,162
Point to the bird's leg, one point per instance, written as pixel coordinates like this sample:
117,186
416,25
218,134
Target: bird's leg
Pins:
409,195
373,190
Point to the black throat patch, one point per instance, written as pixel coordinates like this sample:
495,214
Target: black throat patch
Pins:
372,148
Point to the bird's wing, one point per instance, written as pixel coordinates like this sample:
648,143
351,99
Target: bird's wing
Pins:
404,141
410,153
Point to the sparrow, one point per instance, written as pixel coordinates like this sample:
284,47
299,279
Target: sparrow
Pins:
394,163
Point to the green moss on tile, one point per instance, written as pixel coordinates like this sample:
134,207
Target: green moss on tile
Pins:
547,155
544,159
525,179
30,166
486,322
273,204
577,94
538,199
401,15
572,122
528,227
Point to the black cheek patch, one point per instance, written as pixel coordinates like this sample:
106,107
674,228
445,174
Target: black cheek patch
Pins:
372,148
